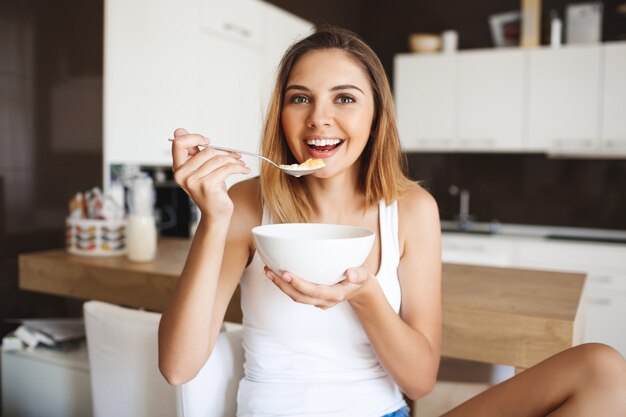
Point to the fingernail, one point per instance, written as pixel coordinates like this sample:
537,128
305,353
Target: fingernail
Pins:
351,275
206,140
286,278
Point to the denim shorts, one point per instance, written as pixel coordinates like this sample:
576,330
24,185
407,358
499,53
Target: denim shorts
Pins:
403,412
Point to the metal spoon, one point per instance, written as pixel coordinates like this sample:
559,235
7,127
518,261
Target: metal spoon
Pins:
296,171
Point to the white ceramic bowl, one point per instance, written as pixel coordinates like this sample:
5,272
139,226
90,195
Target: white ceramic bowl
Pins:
319,253
424,42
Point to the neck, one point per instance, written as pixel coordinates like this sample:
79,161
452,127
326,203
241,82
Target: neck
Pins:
336,199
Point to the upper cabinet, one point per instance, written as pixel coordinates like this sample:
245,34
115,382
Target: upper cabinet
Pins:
564,98
203,65
490,100
470,100
425,98
614,97
554,100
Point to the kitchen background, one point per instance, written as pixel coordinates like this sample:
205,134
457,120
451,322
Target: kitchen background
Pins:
51,127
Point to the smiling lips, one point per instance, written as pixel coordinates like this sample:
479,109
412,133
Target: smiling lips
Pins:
323,147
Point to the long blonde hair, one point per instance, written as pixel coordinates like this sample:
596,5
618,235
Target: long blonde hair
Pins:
382,165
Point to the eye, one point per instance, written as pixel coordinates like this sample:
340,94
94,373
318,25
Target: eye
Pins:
298,99
345,99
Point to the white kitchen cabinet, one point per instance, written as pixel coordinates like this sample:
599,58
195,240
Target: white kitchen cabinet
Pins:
467,101
283,29
475,250
567,100
424,89
614,97
231,114
490,99
146,96
228,20
204,65
604,318
564,98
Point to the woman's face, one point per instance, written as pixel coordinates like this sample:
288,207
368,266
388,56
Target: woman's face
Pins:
328,110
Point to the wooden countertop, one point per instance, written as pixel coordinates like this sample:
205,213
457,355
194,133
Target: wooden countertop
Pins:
496,315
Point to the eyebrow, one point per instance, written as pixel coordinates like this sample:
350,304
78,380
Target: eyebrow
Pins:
335,88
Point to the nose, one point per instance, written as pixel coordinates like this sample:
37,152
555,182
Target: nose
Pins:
320,115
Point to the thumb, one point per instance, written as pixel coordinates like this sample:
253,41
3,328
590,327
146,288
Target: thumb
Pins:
180,132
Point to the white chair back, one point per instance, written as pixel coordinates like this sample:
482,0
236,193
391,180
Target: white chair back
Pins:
213,392
123,359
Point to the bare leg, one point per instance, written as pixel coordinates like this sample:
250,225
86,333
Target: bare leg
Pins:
587,380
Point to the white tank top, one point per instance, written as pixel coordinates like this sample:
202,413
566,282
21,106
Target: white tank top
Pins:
304,361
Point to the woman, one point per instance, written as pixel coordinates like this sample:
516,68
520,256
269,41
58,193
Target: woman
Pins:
349,349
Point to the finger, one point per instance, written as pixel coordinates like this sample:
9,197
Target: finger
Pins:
217,169
184,146
289,290
315,294
329,293
201,159
357,275
230,169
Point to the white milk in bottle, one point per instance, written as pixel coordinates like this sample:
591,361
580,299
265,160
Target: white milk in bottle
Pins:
141,231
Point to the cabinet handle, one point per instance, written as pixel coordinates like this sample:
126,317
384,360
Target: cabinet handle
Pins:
478,142
615,143
230,27
601,279
430,141
560,143
599,301
474,248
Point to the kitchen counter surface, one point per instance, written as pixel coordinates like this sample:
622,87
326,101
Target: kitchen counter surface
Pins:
504,230
496,315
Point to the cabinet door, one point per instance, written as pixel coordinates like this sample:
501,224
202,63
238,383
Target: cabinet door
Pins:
283,29
425,93
604,315
490,99
475,251
564,98
571,256
238,20
614,97
230,108
145,98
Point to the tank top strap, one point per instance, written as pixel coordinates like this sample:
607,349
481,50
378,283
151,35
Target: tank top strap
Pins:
267,216
388,219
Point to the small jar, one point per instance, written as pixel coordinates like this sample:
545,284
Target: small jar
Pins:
141,238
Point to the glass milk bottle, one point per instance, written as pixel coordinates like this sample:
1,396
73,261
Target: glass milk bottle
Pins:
141,231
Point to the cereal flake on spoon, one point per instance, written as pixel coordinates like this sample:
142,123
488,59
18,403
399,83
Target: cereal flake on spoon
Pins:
308,164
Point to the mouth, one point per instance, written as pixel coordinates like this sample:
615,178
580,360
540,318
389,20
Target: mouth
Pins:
321,147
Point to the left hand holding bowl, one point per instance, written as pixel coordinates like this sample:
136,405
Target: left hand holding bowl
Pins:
321,296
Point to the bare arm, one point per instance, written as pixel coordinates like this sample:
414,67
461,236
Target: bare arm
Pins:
219,252
408,346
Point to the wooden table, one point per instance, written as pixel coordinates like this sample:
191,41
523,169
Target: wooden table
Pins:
494,315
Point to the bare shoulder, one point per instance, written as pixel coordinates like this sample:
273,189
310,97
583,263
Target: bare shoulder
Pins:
418,215
246,197
417,202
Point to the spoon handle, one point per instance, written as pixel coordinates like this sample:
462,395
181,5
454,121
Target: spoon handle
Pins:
221,148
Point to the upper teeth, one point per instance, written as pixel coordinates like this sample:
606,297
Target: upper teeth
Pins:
322,142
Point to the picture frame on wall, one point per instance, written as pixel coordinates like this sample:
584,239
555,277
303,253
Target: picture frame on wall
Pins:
505,28
583,22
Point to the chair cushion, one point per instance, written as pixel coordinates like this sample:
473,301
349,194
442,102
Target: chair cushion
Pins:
213,392
123,359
